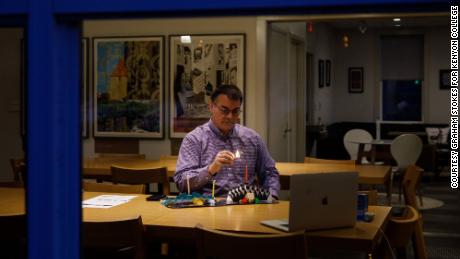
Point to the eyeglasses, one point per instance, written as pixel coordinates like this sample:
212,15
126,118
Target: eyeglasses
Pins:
226,112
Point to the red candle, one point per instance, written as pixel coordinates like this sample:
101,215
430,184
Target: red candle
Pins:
246,175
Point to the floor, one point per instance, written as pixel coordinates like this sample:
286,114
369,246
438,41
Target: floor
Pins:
442,225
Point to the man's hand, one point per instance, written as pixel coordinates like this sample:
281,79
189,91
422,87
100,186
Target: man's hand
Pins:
222,158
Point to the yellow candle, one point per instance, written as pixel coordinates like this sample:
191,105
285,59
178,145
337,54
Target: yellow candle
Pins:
213,187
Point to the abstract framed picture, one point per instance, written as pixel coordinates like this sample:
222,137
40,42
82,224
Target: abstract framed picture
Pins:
198,65
355,80
84,91
128,87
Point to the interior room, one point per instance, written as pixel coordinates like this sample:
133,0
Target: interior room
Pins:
346,105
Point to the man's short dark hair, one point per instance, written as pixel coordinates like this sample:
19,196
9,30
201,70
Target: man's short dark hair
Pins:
231,91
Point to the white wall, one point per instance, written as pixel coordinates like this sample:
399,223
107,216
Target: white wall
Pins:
10,78
437,44
254,110
321,42
361,52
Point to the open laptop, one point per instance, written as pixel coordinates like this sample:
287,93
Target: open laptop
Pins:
320,201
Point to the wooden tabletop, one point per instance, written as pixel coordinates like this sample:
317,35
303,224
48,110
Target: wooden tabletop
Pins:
368,174
164,222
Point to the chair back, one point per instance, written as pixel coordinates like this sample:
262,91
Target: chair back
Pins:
119,155
406,150
141,176
356,135
19,169
222,245
411,179
400,229
114,239
13,236
327,161
113,188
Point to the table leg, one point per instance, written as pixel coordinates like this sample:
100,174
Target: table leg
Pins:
360,153
389,187
373,154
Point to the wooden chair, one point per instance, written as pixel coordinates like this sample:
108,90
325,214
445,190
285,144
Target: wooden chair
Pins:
114,239
19,169
400,230
410,182
327,161
12,184
222,245
142,176
13,241
113,188
406,150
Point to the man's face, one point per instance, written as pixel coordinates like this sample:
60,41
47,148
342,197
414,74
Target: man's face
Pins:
225,113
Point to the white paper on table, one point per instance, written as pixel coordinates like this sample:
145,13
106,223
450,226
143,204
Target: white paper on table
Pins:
107,201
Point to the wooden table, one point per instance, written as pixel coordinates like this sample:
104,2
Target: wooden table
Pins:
164,223
367,174
98,168
374,143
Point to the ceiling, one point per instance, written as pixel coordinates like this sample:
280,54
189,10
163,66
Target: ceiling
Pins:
379,23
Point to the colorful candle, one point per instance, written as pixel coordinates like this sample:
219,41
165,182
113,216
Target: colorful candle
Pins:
188,184
213,187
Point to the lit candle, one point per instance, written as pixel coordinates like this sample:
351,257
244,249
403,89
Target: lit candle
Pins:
246,175
213,187
237,154
188,184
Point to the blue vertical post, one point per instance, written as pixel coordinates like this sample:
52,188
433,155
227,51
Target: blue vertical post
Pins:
53,146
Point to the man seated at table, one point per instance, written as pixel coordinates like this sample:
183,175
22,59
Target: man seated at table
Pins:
209,152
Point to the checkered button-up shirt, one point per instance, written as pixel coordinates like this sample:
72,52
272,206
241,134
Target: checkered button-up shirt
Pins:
200,147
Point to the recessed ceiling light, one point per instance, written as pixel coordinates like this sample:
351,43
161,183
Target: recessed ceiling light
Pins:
396,19
186,39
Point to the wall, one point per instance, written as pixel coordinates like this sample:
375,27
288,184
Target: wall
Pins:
10,78
338,105
321,42
253,111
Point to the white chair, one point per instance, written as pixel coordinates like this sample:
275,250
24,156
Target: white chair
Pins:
352,148
405,150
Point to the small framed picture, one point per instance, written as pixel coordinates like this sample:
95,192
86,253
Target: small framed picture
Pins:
355,80
328,72
444,79
321,73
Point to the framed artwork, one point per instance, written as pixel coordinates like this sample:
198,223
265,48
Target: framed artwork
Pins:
321,73
444,79
198,65
128,87
355,80
84,91
328,72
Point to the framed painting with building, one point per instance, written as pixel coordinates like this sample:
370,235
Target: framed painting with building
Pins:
355,80
198,65
128,87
